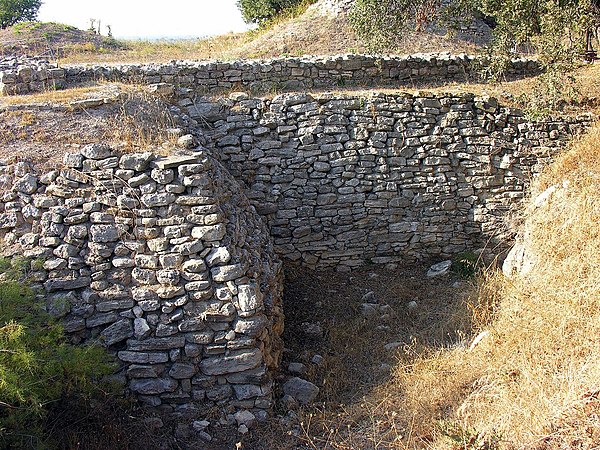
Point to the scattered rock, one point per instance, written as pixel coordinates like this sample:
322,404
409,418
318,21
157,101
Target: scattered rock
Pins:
317,360
439,269
245,418
312,330
297,368
204,436
303,391
369,310
187,141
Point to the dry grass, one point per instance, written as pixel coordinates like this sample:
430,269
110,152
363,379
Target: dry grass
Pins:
533,381
132,120
220,47
55,97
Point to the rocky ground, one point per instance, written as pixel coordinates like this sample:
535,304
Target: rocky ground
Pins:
346,332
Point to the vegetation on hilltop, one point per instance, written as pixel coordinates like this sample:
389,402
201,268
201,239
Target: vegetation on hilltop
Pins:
13,11
53,40
261,11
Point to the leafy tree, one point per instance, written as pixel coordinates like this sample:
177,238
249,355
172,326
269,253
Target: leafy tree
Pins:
552,29
13,11
260,11
381,24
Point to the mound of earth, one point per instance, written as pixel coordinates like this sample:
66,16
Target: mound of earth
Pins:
324,29
36,39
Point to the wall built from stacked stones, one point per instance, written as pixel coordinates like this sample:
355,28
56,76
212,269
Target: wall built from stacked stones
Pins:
164,261
279,74
348,180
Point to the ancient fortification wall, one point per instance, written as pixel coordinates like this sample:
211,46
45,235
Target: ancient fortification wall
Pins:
161,259
261,75
168,261
347,180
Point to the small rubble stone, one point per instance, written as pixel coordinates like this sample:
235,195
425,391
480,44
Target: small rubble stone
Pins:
312,330
439,269
187,141
297,368
303,391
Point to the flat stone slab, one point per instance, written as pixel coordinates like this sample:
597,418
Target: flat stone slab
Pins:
174,161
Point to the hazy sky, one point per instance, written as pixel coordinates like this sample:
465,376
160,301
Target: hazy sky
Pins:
148,19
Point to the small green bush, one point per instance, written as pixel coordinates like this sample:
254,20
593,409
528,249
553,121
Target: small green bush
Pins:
466,264
37,364
261,11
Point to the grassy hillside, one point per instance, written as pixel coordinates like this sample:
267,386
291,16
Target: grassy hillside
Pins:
303,30
52,40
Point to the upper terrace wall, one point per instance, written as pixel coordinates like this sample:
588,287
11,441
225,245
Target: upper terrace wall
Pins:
285,74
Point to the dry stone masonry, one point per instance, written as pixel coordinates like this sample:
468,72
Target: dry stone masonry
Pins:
25,75
173,262
348,180
287,74
162,260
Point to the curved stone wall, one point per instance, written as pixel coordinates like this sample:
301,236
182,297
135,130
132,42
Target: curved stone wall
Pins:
280,74
348,180
164,261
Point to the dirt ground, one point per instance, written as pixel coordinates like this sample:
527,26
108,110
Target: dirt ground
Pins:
356,365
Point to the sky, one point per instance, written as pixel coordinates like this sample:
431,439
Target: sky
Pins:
139,19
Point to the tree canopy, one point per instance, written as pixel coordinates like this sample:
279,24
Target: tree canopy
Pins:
554,30
258,11
381,23
13,11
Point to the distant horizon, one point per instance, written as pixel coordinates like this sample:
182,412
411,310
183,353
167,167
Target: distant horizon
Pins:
135,20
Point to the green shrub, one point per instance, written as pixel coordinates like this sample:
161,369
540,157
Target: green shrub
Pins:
37,364
261,11
466,264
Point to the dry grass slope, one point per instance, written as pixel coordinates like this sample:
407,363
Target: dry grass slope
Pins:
534,380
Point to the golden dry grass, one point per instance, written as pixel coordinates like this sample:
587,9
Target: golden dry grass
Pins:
125,116
55,97
530,382
220,47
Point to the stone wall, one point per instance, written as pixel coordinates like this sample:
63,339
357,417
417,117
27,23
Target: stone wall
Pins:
163,261
285,74
349,180
25,75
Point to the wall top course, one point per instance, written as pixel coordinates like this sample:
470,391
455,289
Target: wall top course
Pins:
307,72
